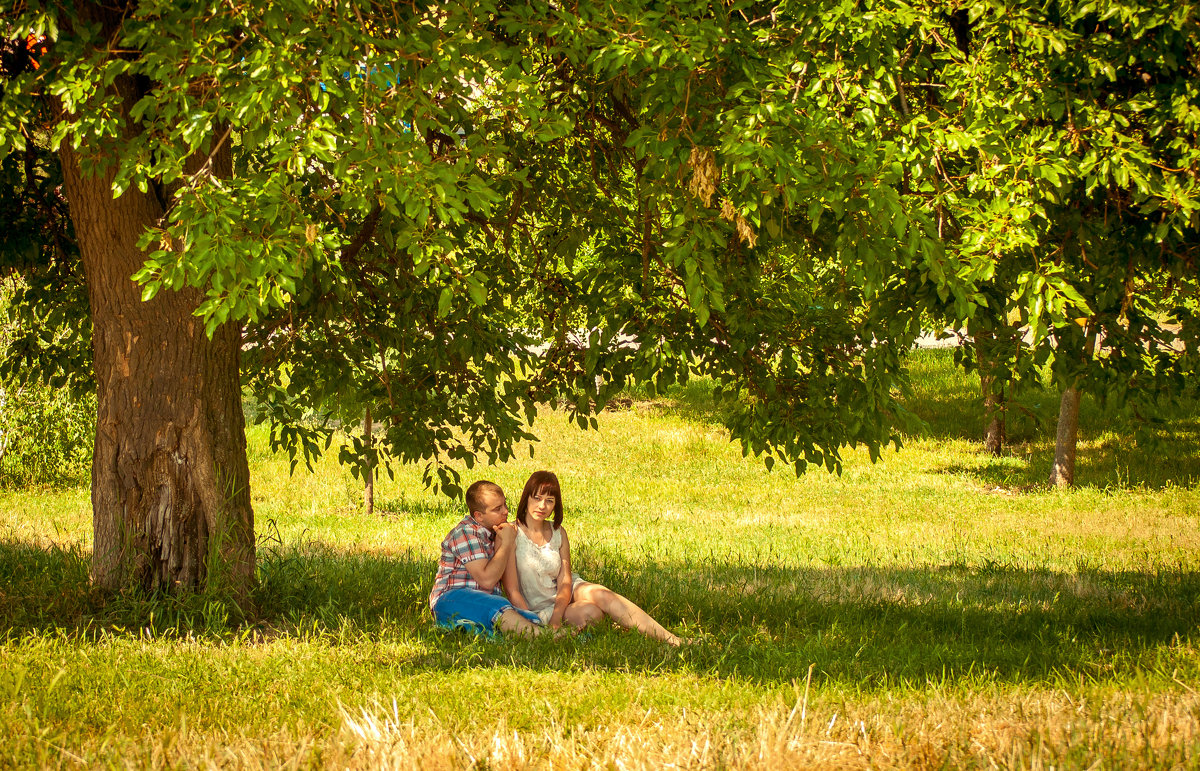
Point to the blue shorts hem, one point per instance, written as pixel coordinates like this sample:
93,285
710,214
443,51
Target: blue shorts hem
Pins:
474,610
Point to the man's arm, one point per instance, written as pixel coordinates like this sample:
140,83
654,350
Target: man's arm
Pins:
487,573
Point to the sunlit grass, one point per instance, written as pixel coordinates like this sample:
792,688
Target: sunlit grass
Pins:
950,608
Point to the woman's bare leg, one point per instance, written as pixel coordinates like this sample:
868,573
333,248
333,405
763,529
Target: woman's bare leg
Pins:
511,621
623,611
582,614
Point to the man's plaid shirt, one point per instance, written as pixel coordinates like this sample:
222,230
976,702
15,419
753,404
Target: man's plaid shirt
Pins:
467,542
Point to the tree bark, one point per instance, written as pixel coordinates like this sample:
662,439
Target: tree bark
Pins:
1067,438
993,396
170,480
369,488
994,434
1063,473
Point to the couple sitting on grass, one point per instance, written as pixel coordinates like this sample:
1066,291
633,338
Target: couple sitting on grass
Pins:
531,559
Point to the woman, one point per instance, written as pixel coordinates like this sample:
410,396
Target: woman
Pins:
539,578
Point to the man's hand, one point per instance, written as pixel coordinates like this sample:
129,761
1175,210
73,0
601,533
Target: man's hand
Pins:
506,533
489,573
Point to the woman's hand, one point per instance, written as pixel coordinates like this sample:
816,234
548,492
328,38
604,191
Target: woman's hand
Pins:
555,621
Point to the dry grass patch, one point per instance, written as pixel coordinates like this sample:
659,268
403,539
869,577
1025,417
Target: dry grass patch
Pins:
1026,729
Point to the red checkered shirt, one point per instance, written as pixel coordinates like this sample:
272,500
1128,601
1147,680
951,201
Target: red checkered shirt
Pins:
466,542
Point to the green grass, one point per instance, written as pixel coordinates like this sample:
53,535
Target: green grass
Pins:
949,607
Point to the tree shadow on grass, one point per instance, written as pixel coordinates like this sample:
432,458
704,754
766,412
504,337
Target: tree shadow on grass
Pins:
949,404
418,508
1116,449
1155,460
873,625
692,402
862,627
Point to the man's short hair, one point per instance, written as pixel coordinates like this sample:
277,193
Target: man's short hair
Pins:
476,491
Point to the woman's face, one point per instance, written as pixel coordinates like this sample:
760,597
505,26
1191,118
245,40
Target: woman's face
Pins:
540,506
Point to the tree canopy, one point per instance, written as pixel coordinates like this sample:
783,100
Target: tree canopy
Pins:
453,213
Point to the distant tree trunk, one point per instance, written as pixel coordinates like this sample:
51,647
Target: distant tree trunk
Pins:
993,394
1063,473
1067,437
4,438
994,433
170,481
369,491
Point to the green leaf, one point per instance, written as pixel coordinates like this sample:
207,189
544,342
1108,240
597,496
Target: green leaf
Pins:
476,291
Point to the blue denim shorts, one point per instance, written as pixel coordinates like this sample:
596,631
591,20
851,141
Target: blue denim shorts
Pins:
474,609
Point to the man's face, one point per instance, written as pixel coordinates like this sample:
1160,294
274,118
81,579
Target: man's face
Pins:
495,510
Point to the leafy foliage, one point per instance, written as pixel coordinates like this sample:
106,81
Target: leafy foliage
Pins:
45,432
1066,138
45,436
452,214
46,337
47,413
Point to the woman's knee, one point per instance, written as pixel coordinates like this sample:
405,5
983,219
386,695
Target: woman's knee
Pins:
582,614
605,598
597,594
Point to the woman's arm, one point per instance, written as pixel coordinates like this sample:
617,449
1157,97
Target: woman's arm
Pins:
563,597
512,583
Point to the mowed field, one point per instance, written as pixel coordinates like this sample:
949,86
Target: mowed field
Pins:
940,608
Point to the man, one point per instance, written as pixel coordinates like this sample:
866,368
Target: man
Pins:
466,591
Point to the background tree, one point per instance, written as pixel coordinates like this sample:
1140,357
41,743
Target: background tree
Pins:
1114,195
1064,142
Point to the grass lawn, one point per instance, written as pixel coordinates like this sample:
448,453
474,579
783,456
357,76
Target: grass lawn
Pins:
940,608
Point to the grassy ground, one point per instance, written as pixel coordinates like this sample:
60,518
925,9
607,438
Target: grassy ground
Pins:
937,609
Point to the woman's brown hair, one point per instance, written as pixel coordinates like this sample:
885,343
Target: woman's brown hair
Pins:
541,482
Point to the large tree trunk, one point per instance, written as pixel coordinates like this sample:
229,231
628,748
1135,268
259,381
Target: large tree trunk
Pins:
170,480
1063,473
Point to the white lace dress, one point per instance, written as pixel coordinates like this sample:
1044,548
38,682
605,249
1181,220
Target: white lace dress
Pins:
537,572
